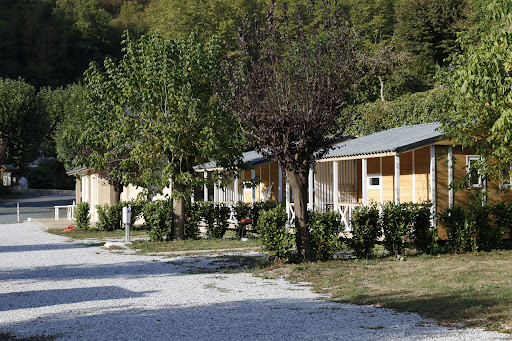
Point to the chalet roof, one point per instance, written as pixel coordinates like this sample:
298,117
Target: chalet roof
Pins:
252,157
77,171
391,141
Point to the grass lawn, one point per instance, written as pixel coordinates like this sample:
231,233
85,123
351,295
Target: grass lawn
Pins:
475,289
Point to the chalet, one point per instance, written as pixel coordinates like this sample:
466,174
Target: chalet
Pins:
6,175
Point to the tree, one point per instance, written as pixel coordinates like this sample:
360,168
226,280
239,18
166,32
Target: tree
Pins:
287,89
428,30
23,124
481,81
179,18
154,116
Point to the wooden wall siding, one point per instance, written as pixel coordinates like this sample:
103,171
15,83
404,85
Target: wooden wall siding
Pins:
274,176
388,178
406,178
422,170
374,167
359,167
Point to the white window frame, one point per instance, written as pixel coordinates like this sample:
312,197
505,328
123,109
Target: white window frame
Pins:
481,180
368,181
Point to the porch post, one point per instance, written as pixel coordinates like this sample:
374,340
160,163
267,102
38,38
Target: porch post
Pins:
253,176
222,193
280,185
413,177
205,187
450,176
433,192
335,185
397,179
235,189
364,184
216,192
311,185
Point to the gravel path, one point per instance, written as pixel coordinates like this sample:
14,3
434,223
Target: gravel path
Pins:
49,286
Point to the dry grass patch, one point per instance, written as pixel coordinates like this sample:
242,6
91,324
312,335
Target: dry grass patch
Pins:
97,234
144,246
474,289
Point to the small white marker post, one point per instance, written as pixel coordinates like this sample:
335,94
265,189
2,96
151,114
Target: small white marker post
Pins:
18,210
126,223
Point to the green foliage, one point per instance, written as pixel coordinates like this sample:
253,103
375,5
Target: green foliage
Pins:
159,218
395,220
460,229
503,216
424,107
221,215
482,82
489,235
49,174
193,212
276,240
365,230
242,211
260,206
428,30
422,233
23,124
82,215
326,229
110,216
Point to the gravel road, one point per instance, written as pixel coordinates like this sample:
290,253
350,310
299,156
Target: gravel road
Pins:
49,286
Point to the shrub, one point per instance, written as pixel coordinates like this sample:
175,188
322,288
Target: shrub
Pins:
82,215
366,229
221,212
276,240
325,234
502,212
260,206
422,233
208,215
193,213
110,216
159,217
489,234
460,229
395,220
242,211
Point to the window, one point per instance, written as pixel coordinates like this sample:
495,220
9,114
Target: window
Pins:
476,179
506,175
374,181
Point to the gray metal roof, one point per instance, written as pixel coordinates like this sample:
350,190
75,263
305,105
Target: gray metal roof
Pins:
252,157
395,140
8,167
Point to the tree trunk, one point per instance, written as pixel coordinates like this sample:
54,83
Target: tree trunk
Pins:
178,205
118,189
299,185
381,87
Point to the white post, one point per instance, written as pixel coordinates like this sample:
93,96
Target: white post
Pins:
253,176
311,185
364,184
205,187
215,192
222,192
413,177
235,189
433,181
18,212
280,185
397,179
288,199
335,186
450,176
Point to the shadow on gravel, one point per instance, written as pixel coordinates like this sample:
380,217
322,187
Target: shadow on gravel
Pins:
42,298
139,269
39,247
282,319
